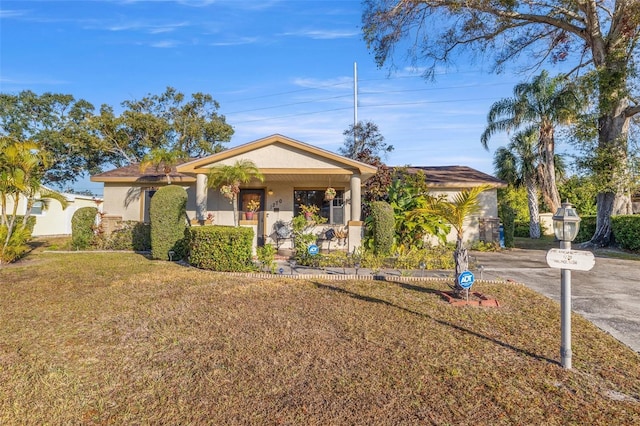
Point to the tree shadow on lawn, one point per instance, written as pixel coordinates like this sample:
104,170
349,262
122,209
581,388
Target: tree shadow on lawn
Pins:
427,316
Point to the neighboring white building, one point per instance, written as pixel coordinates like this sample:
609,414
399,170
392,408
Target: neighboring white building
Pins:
51,218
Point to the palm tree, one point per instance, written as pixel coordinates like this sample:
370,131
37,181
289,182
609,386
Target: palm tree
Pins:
538,106
229,178
516,164
162,158
22,166
463,205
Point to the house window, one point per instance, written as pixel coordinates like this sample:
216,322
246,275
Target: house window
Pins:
332,210
38,208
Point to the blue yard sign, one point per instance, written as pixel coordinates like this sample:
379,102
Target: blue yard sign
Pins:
313,249
466,279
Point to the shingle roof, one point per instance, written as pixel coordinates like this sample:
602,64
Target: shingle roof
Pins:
454,176
132,173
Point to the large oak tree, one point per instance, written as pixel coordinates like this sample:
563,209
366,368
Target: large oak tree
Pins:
598,38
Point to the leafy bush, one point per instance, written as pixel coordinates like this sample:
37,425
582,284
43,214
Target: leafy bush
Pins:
511,228
83,227
485,246
587,229
17,245
221,248
168,217
520,229
303,236
436,257
266,256
626,231
382,227
131,235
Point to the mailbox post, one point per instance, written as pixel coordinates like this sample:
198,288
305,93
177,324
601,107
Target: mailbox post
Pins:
566,224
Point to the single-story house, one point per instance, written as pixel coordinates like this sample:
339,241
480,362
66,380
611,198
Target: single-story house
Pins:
295,174
51,218
450,180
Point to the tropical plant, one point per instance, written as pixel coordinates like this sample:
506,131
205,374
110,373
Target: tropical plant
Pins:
516,164
162,159
253,205
228,178
537,106
310,209
22,166
411,229
456,212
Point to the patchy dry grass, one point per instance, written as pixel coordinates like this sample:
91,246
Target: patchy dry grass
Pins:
118,339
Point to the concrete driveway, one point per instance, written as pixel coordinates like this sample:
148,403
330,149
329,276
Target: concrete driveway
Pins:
608,295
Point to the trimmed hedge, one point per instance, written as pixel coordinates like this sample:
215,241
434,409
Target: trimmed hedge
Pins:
82,227
587,229
221,248
131,235
626,231
511,227
382,227
168,217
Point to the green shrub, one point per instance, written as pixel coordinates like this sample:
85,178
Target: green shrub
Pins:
131,235
168,217
221,248
382,226
17,246
303,236
626,231
508,218
83,227
266,256
587,229
520,229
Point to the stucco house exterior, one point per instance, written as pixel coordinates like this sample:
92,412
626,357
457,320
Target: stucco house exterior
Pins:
450,180
295,173
51,218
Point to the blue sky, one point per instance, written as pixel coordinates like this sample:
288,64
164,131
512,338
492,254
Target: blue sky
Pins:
274,66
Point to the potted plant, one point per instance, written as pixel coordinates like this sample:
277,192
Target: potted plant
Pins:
329,194
309,210
209,219
341,235
252,207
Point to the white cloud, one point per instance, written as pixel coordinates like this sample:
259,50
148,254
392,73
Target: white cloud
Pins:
236,41
315,83
323,34
146,26
165,44
15,13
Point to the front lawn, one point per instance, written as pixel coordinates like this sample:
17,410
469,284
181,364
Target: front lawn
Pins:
114,338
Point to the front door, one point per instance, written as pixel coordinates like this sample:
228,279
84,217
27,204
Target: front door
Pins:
244,198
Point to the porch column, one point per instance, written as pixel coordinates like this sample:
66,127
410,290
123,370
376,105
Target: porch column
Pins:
356,197
201,196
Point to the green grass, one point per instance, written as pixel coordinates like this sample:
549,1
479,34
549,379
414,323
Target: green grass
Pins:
114,338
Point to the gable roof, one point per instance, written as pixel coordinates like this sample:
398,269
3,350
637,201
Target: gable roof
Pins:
340,164
454,176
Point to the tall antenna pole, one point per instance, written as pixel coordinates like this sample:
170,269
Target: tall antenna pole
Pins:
355,100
